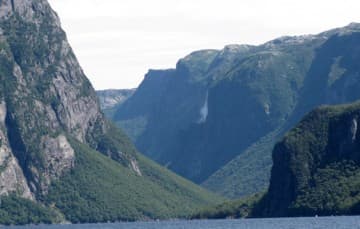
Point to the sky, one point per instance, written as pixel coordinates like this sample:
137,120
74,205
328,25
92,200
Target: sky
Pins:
118,41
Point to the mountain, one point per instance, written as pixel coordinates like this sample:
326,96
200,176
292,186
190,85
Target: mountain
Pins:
215,118
317,166
60,159
332,78
316,170
110,99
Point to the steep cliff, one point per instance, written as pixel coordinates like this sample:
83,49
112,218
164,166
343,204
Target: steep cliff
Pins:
52,132
316,166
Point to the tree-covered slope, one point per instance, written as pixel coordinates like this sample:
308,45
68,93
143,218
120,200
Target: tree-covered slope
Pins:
59,156
316,167
332,78
101,190
316,170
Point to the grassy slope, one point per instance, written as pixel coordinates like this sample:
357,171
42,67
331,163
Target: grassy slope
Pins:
100,190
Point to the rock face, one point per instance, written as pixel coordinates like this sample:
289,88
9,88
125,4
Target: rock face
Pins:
251,96
11,178
54,140
57,150
317,166
45,93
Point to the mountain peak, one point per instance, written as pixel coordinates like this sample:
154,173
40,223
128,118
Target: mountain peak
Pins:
28,10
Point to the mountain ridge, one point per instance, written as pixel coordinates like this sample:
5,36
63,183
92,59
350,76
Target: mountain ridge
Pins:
250,92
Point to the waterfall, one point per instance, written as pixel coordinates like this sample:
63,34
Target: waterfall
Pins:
204,110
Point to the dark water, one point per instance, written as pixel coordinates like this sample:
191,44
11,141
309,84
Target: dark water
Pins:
352,222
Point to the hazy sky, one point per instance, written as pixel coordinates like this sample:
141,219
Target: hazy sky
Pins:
117,41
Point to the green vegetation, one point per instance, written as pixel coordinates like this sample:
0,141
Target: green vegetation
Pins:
336,192
316,166
47,95
134,127
115,144
316,170
255,95
251,92
241,208
247,173
15,210
99,189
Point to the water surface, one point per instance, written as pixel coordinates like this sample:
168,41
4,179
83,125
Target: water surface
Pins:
346,222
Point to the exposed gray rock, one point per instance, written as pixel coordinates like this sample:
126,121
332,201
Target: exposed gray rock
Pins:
12,178
59,157
76,113
6,8
48,100
135,167
113,97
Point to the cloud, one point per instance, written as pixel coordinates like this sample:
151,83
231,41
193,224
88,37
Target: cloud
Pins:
117,41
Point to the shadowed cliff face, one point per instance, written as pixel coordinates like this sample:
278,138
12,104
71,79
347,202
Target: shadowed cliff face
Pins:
197,117
317,166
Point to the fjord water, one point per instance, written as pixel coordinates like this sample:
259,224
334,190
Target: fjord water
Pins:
344,222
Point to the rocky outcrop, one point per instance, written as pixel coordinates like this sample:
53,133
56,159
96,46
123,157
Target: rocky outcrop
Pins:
59,157
12,178
46,98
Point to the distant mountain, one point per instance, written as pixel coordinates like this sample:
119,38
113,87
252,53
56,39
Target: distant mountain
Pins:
216,117
317,166
110,99
333,77
60,159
